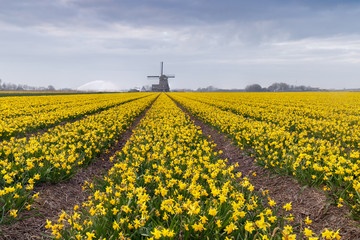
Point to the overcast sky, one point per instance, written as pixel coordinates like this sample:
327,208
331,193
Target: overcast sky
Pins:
226,44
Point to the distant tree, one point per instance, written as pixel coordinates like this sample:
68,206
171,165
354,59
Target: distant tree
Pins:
207,89
19,88
302,88
279,87
253,88
51,88
12,86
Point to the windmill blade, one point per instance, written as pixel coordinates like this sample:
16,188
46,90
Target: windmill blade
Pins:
170,76
153,76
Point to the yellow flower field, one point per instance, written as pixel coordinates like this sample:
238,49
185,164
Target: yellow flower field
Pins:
57,154
19,115
313,136
169,183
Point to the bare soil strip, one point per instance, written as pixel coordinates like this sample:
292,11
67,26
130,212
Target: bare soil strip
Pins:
306,201
55,198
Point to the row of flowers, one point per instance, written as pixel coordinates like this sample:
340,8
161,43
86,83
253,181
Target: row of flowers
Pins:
58,153
330,116
20,115
314,161
168,182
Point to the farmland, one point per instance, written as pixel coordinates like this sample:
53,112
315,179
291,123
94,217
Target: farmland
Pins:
173,181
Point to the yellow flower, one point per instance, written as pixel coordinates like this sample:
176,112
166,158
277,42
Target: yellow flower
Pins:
13,213
272,219
212,211
242,214
261,224
271,202
116,226
230,228
156,233
90,236
186,227
198,227
307,220
308,232
327,234
249,226
168,233
336,235
288,229
165,232
48,224
115,211
222,198
287,206
289,237
203,219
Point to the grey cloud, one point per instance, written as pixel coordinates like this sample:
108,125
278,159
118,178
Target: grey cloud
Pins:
296,19
239,42
33,12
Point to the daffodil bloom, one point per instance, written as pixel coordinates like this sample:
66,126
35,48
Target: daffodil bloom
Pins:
13,213
307,220
116,226
308,232
157,233
327,234
212,211
249,226
287,206
230,228
90,236
198,227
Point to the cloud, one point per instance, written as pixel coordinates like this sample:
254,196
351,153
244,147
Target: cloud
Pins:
342,48
71,41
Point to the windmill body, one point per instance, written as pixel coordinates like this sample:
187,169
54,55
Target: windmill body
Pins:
163,85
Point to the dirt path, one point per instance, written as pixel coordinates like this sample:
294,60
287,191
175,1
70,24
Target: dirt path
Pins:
54,198
307,201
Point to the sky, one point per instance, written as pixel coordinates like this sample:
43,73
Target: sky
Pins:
225,44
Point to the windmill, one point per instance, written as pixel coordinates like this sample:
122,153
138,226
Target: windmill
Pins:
163,85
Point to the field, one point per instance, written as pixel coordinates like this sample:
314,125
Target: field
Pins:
180,166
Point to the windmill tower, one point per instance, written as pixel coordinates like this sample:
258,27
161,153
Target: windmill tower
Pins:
163,85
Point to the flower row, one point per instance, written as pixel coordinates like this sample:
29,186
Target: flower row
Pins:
329,116
311,160
57,154
20,115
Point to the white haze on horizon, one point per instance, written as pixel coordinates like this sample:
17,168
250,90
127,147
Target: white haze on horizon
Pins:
99,86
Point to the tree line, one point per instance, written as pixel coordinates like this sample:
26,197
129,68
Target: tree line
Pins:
23,87
279,87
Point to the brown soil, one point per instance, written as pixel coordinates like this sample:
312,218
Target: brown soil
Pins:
55,198
306,201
